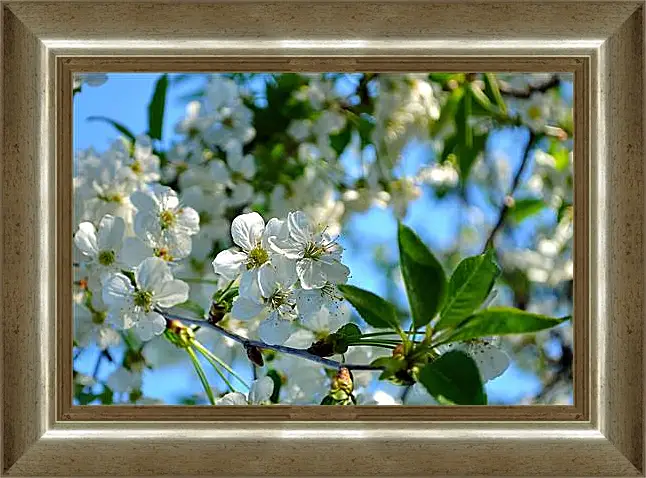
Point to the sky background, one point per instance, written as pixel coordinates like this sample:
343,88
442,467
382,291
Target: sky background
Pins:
125,97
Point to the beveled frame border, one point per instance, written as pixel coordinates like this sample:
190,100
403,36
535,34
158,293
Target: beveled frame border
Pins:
602,43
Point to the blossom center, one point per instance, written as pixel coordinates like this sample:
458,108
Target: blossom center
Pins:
166,219
534,112
106,258
256,257
114,197
163,253
279,298
98,318
143,299
136,167
313,251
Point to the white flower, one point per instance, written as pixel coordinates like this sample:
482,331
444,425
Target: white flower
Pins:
144,165
163,224
491,360
134,305
259,394
123,380
90,327
272,296
90,79
235,173
320,309
106,251
251,235
318,256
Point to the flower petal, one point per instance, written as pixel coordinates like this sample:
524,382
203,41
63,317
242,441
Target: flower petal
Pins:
134,251
267,280
85,239
335,272
188,221
310,274
117,291
246,230
152,273
261,390
274,330
171,293
229,264
150,325
300,227
234,398
145,203
110,236
246,309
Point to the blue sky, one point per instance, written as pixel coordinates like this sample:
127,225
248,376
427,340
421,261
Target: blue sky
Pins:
124,98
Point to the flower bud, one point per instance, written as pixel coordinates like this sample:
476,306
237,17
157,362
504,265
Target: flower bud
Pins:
216,312
255,355
342,381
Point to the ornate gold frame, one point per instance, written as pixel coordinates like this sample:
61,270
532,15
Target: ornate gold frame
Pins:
43,43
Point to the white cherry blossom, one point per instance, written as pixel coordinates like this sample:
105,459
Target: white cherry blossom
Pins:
259,394
317,255
135,305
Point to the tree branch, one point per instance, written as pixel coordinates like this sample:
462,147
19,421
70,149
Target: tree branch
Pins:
509,197
527,92
333,364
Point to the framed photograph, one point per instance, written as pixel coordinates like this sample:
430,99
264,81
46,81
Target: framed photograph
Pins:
322,238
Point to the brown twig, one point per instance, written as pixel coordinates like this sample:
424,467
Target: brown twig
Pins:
333,364
509,197
527,92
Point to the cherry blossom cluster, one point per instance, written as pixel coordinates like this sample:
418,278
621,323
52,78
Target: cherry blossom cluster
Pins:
287,270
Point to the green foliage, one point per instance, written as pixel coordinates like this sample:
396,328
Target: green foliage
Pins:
423,275
373,309
116,125
156,108
525,208
193,307
454,376
469,286
503,321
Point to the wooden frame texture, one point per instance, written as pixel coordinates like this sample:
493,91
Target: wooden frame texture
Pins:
602,43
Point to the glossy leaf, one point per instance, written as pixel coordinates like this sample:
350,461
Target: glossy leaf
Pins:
469,286
156,108
373,309
454,376
503,321
423,275
116,125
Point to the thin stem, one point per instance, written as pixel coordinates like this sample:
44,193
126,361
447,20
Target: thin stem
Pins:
201,374
372,344
219,372
197,280
219,361
378,334
514,185
262,345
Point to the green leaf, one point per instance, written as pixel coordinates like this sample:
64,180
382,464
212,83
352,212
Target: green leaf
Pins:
447,113
156,108
482,100
524,208
341,140
456,377
193,307
118,126
469,286
373,309
503,321
344,337
423,275
493,92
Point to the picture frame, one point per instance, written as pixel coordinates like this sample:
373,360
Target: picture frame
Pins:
44,43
